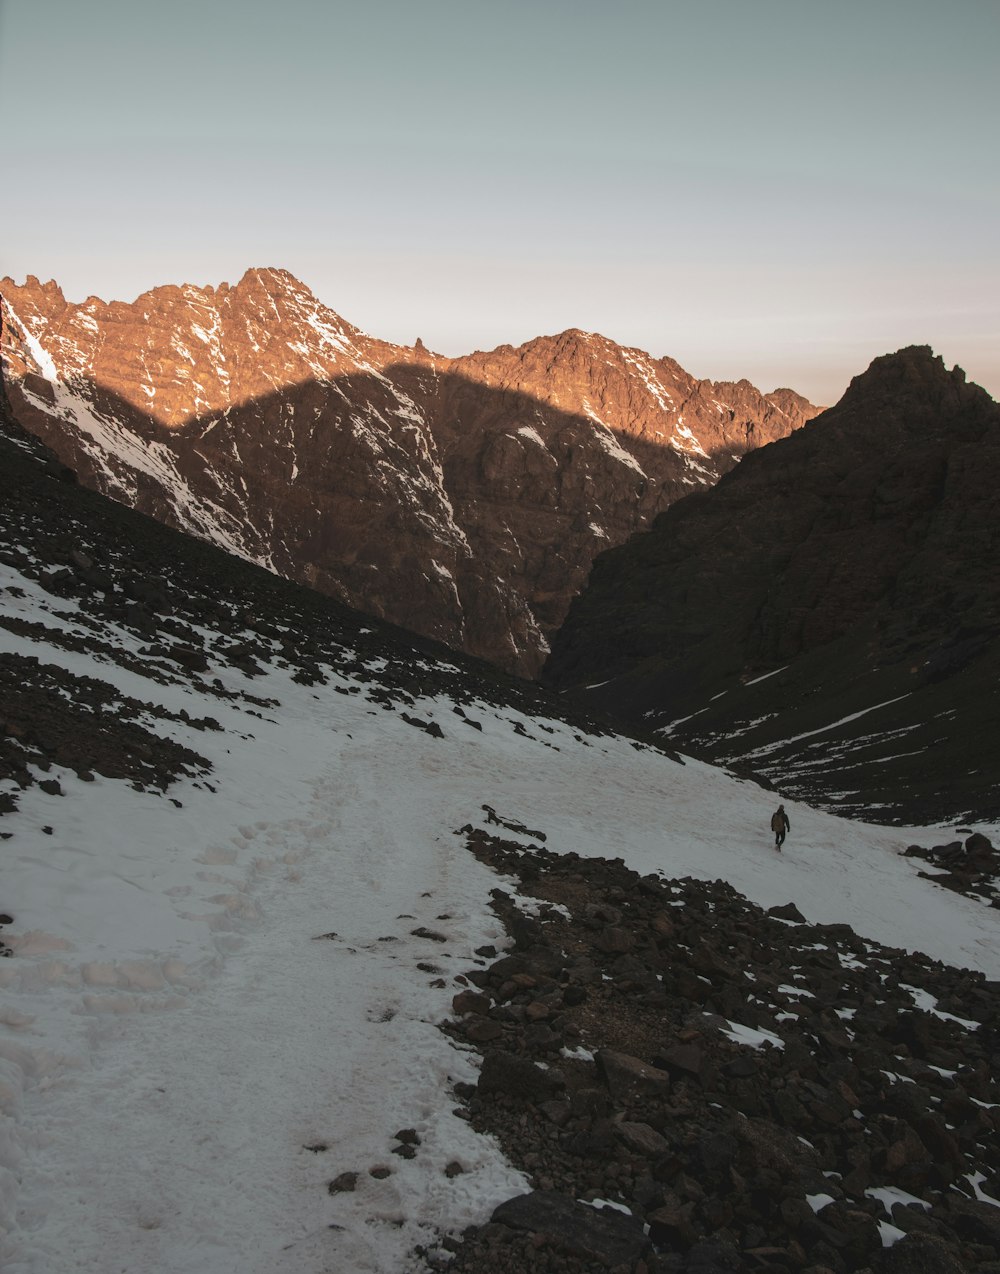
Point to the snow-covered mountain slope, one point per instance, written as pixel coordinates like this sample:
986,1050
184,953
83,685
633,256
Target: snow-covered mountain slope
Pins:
464,498
240,907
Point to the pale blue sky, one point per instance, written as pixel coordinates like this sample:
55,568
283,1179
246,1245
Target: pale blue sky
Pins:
777,189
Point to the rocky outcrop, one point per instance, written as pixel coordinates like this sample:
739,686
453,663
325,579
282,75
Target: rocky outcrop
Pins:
970,866
828,614
736,1092
462,498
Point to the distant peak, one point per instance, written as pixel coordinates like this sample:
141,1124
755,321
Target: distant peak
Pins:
913,365
912,379
32,283
271,279
282,288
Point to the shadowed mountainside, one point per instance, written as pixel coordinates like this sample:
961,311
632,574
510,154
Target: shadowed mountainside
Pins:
463,498
828,614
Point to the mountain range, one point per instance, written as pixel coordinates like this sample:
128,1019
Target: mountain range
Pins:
463,498
804,596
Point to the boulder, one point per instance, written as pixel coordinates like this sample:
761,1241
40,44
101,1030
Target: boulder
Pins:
515,1077
629,1079
605,1236
641,1139
788,911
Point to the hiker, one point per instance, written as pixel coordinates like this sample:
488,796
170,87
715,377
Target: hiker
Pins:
780,825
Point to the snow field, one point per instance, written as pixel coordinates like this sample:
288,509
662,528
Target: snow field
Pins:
198,994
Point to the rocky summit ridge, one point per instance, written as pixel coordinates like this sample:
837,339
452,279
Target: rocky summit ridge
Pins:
463,498
828,614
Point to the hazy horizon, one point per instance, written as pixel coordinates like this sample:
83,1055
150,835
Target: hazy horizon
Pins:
777,192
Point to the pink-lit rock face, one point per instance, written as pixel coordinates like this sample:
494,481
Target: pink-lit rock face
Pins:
462,498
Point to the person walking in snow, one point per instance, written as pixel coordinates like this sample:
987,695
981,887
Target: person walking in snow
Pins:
780,825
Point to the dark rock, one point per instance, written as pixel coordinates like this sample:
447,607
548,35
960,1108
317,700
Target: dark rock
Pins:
557,1112
590,1103
975,1220
614,941
788,911
710,1256
629,1079
516,1077
597,1142
641,1139
854,1234
923,1254
681,1059
601,915
429,727
671,1226
540,1038
471,1002
772,1147
716,1151
942,1144
743,1068
481,1030
605,1236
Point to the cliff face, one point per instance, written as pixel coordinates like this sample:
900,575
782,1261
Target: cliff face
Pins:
828,614
462,498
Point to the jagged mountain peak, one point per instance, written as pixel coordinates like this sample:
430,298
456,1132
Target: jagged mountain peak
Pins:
283,288
912,377
271,277
789,400
50,288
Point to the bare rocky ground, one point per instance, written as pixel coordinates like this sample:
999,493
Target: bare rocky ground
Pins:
759,1093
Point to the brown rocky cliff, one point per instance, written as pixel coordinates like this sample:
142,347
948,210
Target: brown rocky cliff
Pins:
464,498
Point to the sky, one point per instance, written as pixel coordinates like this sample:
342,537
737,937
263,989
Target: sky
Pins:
780,190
